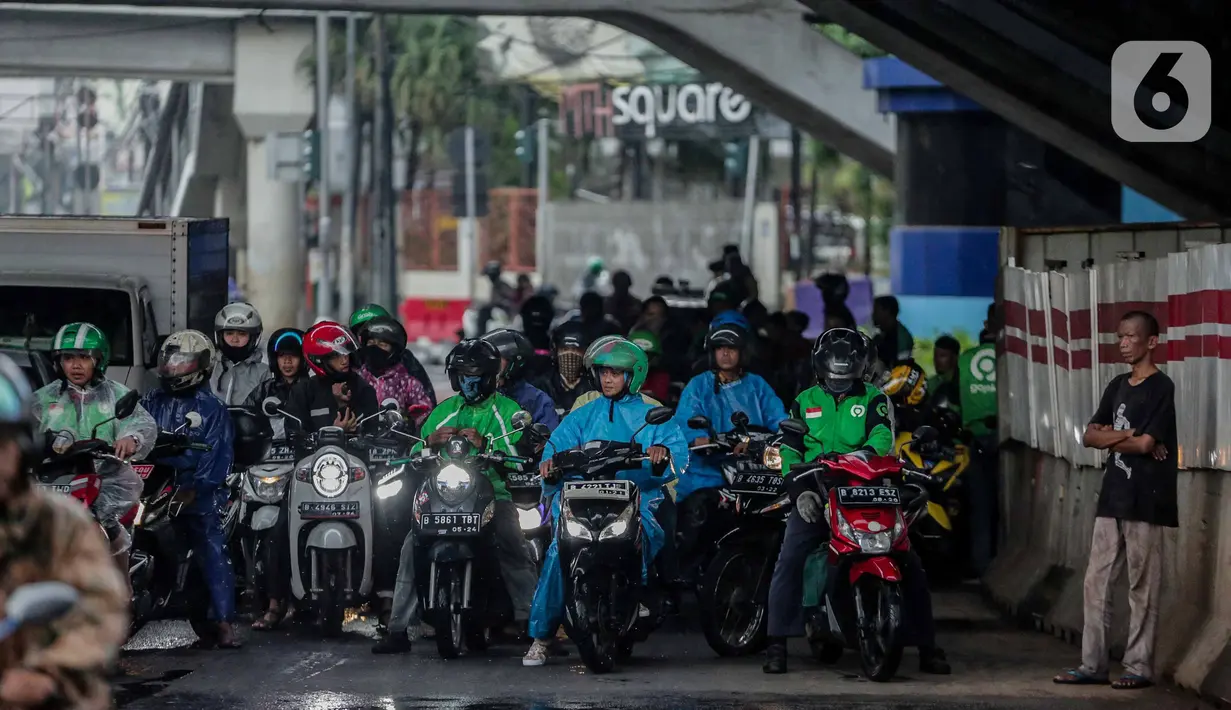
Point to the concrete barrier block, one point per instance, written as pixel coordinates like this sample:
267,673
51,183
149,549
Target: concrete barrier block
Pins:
1188,558
1206,664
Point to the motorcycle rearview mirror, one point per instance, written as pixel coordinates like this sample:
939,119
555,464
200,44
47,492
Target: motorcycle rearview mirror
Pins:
270,406
522,420
925,435
38,603
126,405
389,405
659,415
540,431
699,422
193,420
739,420
794,427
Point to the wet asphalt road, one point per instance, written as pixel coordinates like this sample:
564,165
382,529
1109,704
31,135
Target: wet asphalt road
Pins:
994,667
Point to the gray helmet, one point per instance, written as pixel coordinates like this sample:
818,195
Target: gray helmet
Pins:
242,317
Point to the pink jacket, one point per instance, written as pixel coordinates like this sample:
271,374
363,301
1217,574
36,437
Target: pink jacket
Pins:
397,383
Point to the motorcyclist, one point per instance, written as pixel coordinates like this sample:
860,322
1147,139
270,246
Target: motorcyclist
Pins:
383,341
515,353
242,367
285,353
503,296
718,393
593,320
658,381
48,537
893,342
844,415
537,315
479,413
338,395
620,368
567,380
945,354
184,363
81,400
595,279
906,386
622,304
366,313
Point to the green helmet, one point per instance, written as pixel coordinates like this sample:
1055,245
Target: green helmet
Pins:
366,313
647,341
620,354
82,339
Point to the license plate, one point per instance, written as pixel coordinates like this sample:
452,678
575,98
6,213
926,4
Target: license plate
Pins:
450,523
380,454
317,510
756,483
598,490
522,479
57,488
868,496
281,452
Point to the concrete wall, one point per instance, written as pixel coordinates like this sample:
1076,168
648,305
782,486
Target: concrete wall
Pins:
1047,514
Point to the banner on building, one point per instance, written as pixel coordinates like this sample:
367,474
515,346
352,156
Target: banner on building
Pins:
643,111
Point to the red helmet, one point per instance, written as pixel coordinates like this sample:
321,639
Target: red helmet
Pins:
325,340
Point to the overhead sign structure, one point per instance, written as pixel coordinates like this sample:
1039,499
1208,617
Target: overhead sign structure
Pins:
675,111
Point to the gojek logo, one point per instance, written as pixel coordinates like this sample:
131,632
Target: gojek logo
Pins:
983,372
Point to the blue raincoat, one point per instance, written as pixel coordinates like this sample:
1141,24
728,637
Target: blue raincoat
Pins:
604,420
750,394
206,473
535,401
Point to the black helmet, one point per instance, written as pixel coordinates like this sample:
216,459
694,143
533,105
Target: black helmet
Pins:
492,269
253,435
945,416
286,341
473,358
513,347
569,334
726,335
834,288
839,355
537,314
385,329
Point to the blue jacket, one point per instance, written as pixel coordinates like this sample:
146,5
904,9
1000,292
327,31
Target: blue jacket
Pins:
749,394
604,420
534,400
203,471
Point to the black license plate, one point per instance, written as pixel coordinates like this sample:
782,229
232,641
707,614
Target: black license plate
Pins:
598,490
381,454
281,452
522,479
756,483
320,510
451,523
868,496
64,488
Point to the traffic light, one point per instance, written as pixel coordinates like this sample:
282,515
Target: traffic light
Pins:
735,163
526,145
311,155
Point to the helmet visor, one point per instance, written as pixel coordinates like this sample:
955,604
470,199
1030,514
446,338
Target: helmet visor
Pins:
178,363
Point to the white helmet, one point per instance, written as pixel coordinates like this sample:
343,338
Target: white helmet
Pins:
185,361
244,318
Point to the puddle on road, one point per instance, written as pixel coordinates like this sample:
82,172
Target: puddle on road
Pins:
125,692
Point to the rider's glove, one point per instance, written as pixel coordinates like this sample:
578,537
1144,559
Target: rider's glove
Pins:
809,505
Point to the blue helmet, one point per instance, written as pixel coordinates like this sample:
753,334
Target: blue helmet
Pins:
731,318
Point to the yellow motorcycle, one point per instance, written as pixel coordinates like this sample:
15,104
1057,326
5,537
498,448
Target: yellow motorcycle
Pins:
935,536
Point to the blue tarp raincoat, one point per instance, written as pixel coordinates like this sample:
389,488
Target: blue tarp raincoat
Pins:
535,401
206,473
750,394
605,420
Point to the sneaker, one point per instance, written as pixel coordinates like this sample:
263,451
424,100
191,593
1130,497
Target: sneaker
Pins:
643,611
537,655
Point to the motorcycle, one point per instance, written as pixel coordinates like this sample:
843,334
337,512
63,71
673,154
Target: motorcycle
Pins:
263,492
330,524
747,527
940,540
465,594
394,487
608,607
871,503
533,515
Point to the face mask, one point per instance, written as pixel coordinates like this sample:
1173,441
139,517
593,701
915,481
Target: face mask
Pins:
471,387
376,358
570,365
838,386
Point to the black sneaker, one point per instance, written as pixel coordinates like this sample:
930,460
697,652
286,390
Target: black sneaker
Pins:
932,660
775,658
392,643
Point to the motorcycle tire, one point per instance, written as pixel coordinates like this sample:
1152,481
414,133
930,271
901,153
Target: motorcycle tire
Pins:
738,564
331,605
880,649
595,644
450,634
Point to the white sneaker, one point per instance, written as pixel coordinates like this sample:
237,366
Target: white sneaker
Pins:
643,611
537,655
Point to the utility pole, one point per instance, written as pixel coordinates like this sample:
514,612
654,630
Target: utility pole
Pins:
465,254
390,266
750,195
324,296
540,215
346,264
797,162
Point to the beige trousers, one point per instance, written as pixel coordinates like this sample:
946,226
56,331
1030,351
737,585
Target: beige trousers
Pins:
1141,545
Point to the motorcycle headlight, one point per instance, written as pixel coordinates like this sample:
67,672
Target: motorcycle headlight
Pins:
330,475
529,518
267,489
874,543
772,459
619,527
576,528
454,483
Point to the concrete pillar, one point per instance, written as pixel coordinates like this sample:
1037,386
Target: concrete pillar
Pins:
274,254
230,201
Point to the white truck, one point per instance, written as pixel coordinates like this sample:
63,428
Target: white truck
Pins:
139,280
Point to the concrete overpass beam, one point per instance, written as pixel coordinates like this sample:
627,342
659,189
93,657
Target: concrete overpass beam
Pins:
272,95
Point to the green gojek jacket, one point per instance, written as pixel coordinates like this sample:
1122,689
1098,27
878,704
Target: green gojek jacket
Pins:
860,419
492,418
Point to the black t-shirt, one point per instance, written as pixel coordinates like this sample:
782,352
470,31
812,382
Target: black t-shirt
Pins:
1137,487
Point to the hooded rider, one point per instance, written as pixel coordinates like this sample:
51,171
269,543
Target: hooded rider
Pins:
515,354
383,341
620,369
480,413
286,363
537,315
844,415
242,367
360,318
81,400
567,380
338,395
726,388
184,363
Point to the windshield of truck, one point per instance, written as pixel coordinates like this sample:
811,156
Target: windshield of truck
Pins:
33,314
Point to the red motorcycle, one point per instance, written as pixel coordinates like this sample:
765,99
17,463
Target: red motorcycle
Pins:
870,504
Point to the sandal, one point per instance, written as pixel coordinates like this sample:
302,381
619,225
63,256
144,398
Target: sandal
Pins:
1132,681
269,621
1075,676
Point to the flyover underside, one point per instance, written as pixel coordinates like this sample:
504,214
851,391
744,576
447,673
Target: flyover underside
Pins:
1049,73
